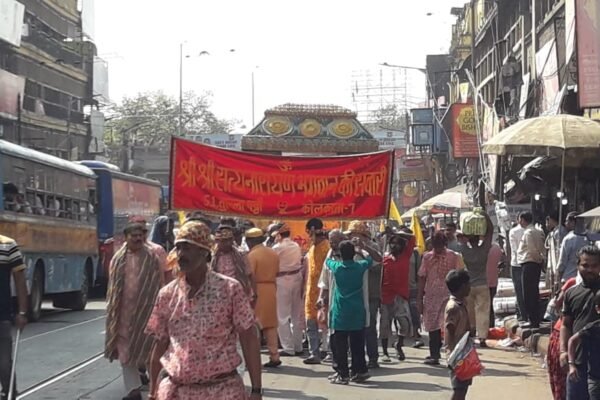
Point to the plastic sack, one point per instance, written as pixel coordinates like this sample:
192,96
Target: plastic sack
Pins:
464,360
497,333
551,313
469,367
473,223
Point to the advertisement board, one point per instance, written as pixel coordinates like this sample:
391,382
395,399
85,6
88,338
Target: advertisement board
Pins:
135,198
588,52
462,123
224,141
11,86
11,21
412,168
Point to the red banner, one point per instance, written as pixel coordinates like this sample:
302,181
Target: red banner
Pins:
259,185
588,53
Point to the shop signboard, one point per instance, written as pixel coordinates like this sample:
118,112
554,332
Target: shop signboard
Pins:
412,168
409,193
389,138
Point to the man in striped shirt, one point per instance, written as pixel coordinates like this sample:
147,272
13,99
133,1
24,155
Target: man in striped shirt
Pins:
11,263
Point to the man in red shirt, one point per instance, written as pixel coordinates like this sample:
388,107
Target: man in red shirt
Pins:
395,292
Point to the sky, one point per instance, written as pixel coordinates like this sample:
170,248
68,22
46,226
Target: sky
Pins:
298,51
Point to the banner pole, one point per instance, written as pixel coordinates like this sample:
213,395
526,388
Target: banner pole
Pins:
171,171
391,184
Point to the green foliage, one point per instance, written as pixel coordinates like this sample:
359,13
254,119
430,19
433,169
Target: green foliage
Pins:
390,116
150,118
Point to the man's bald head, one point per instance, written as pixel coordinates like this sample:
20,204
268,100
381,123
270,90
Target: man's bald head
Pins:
336,236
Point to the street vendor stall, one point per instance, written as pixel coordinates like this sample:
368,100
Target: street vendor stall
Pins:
572,139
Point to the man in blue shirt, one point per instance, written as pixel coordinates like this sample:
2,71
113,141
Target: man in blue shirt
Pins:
571,244
347,314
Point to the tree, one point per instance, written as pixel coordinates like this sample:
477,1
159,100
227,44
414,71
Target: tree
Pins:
390,116
149,119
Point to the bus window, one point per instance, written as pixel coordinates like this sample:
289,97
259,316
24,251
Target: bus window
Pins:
53,206
39,205
68,209
37,202
11,192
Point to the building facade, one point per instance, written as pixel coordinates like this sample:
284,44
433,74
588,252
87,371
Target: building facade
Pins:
46,77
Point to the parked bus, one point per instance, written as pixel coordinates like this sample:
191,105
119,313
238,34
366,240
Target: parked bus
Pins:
120,196
47,205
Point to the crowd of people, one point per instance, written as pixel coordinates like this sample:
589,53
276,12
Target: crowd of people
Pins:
188,312
200,313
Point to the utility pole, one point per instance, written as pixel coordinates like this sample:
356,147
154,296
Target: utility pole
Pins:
19,138
180,89
69,144
253,99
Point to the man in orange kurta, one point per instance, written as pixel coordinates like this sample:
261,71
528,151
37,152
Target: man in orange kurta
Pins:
316,258
264,266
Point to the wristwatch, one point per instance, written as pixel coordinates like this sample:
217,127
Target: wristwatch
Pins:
257,391
23,313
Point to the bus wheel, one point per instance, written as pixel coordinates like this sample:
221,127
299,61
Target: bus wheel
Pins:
78,300
37,293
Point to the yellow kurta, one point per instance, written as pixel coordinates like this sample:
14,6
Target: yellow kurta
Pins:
264,264
316,258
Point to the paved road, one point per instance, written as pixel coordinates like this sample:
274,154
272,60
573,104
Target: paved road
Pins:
509,375
58,341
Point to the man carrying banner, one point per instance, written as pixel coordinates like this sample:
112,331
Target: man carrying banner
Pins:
359,230
316,258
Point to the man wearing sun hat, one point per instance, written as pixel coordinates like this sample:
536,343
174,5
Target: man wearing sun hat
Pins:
196,322
289,291
264,265
359,230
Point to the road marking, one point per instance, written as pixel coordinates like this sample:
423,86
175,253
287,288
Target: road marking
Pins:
62,329
48,382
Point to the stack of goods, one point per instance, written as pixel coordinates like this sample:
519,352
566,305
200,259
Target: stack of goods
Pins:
505,301
473,223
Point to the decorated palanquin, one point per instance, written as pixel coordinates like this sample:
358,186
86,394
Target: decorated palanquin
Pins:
309,129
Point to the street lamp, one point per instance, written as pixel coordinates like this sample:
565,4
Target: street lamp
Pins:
202,53
385,64
253,92
422,70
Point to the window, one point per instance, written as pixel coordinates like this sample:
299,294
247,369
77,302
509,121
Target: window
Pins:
47,191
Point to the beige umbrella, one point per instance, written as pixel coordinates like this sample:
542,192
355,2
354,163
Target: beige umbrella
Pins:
447,201
593,213
562,135
409,214
544,136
